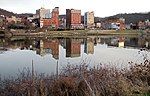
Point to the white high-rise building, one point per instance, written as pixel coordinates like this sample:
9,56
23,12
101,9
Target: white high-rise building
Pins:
89,19
43,13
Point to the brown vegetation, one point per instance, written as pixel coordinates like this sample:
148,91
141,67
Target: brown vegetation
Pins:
81,81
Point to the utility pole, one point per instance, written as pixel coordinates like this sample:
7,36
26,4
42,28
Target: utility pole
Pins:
57,69
32,81
32,70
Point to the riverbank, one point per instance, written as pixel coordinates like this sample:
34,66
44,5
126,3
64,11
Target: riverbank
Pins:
81,81
71,33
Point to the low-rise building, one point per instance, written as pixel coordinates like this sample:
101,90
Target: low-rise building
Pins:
98,25
147,24
127,26
114,23
141,25
13,19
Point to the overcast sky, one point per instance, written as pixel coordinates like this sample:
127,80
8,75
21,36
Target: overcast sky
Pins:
101,8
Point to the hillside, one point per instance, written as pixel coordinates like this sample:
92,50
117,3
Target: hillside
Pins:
6,13
25,15
133,17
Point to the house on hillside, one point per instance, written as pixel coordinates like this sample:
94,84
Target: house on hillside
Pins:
2,22
114,23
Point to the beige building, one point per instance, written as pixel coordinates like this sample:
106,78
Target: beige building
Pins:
121,42
89,19
89,46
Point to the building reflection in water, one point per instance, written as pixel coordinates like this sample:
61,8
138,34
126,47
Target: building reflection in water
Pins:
95,41
49,47
63,43
89,46
132,42
73,47
121,42
2,46
144,42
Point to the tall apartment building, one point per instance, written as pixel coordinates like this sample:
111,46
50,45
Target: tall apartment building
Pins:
49,19
73,19
55,17
43,13
89,19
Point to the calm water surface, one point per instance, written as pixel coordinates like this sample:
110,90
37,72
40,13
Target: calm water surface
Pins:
47,52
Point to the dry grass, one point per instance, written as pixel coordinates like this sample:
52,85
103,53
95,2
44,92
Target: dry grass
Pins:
81,81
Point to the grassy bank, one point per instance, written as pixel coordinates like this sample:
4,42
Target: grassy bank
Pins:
72,33
81,81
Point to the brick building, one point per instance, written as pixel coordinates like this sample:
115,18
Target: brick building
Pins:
49,47
53,21
73,19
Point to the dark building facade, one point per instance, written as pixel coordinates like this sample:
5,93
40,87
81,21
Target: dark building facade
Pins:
73,48
73,19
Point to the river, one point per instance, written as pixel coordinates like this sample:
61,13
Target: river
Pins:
46,53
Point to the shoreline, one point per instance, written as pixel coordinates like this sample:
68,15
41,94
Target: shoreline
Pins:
71,33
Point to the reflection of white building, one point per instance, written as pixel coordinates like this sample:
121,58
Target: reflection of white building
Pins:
121,42
49,47
43,51
146,44
89,46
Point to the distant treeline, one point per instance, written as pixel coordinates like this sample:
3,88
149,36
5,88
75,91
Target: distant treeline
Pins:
132,17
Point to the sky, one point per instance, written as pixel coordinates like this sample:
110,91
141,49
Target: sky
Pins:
101,8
